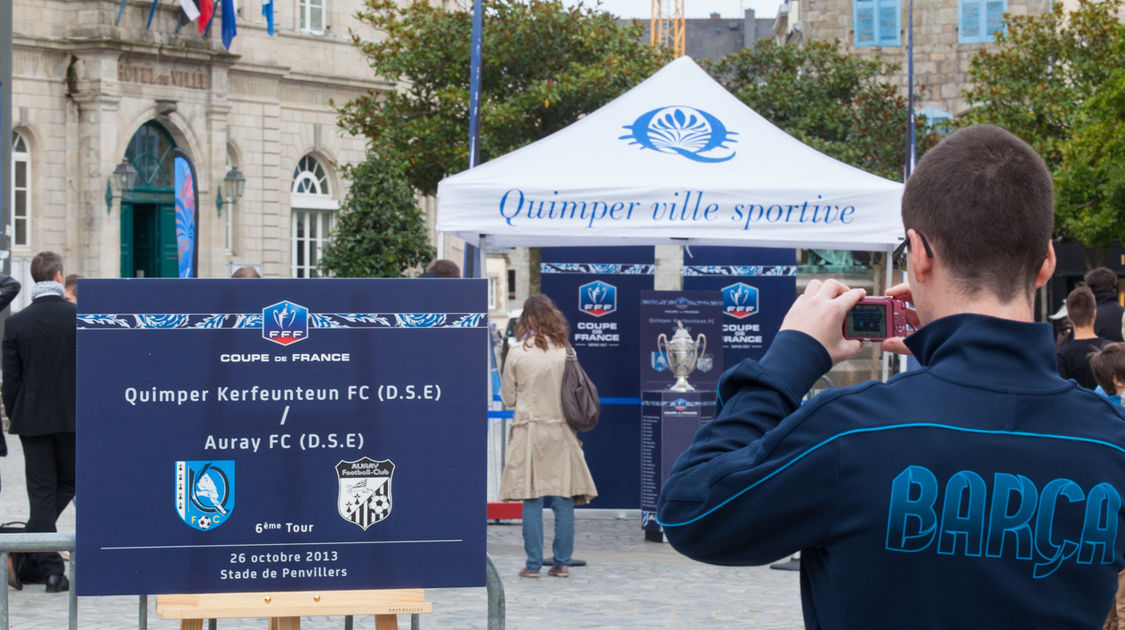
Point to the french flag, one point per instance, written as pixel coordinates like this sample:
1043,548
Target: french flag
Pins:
206,12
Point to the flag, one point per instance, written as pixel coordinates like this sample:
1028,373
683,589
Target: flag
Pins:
267,10
229,29
206,12
151,12
191,12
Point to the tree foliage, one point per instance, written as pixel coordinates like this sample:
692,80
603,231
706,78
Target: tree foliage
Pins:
1090,179
1052,80
544,66
1042,69
380,231
838,104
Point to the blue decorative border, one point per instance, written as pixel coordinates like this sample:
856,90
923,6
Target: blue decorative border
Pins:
740,270
200,321
624,270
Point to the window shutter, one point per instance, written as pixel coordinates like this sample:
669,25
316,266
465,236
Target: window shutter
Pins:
995,18
889,15
969,26
864,18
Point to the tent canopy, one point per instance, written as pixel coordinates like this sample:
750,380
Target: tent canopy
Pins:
675,160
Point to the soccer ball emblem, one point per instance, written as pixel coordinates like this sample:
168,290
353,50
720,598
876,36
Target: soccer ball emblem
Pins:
204,522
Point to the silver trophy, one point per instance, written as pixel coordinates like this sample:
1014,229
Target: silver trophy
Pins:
680,354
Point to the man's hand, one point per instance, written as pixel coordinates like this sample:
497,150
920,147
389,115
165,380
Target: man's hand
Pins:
895,344
820,312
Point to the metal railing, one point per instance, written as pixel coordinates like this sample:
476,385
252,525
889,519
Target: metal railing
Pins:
65,542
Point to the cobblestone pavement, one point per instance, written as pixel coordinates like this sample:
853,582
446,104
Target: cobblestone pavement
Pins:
629,583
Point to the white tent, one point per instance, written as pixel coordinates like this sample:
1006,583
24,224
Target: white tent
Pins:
678,160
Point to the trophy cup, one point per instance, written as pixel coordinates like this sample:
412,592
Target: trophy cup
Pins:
680,354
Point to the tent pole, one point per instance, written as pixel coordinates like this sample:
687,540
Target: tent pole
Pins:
886,285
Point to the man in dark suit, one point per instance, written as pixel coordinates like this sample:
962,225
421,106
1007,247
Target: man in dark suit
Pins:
38,393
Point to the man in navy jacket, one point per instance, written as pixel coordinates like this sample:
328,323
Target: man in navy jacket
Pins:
980,491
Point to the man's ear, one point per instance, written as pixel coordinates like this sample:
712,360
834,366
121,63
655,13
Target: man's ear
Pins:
920,262
1048,266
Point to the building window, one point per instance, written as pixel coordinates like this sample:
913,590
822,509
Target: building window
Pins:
979,20
314,216
21,191
310,234
877,22
938,121
312,16
493,283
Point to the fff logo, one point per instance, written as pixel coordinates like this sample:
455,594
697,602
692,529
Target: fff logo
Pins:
597,298
740,300
285,323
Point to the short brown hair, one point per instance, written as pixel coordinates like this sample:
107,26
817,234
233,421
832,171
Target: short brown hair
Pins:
1101,280
45,266
1081,307
542,322
71,282
1107,362
983,199
442,268
246,272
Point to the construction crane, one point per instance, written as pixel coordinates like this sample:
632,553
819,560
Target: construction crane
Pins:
667,25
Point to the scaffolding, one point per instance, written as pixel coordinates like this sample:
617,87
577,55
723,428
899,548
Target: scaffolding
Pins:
667,25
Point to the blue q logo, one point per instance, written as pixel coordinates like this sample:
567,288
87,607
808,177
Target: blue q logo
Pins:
680,404
597,298
687,131
740,300
205,492
285,323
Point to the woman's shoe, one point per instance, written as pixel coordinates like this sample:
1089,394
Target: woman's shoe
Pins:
559,571
526,572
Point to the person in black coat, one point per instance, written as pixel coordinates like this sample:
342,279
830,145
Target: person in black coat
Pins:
38,393
1103,282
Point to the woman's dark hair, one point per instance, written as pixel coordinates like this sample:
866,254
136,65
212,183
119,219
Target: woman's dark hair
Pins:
542,323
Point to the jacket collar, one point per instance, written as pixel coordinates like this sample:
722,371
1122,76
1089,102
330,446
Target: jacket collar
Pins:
964,348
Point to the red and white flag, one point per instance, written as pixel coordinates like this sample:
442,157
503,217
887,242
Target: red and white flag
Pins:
206,10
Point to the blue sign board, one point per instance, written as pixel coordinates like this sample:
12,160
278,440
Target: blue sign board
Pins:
758,285
599,290
251,435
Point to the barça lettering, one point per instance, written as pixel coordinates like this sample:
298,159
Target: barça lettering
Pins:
1010,517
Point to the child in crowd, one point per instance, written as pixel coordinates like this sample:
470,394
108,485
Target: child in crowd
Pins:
1108,366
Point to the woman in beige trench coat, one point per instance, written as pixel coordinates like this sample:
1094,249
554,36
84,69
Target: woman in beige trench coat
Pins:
544,456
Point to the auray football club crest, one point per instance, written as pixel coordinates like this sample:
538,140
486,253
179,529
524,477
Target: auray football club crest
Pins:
285,323
597,298
365,490
705,362
740,300
205,492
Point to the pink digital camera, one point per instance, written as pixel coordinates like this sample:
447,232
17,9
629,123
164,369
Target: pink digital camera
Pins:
876,319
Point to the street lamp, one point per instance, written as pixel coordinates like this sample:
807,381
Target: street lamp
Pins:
236,184
123,180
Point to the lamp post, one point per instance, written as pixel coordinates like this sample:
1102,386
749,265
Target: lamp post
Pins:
236,185
123,180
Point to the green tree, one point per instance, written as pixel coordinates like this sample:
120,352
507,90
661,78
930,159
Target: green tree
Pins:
1043,81
1042,69
1090,178
544,66
380,232
841,105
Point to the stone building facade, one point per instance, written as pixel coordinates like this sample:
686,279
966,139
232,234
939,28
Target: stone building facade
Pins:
92,87
947,33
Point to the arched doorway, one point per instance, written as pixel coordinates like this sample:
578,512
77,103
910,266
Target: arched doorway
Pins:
148,211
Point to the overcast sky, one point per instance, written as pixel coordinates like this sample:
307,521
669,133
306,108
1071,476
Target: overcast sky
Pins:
693,8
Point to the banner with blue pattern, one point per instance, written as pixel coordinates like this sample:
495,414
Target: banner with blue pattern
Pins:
600,294
757,286
280,435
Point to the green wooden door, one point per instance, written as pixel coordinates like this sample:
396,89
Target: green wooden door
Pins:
167,250
127,264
